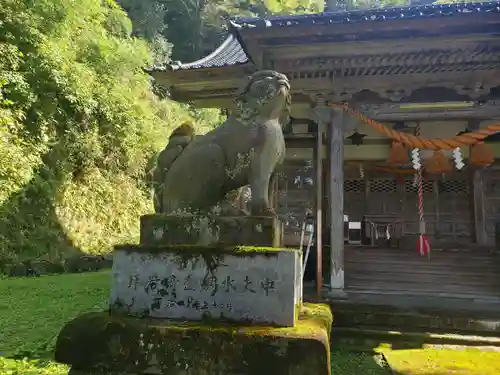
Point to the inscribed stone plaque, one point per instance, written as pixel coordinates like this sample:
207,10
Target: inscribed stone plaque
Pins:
193,283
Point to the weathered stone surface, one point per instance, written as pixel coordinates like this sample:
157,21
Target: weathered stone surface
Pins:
163,229
143,346
259,285
244,150
180,138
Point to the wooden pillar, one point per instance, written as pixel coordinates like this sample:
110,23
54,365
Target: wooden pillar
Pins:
336,155
318,167
476,182
478,207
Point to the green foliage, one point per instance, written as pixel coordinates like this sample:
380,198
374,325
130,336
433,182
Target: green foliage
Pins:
31,367
79,125
148,22
194,26
293,6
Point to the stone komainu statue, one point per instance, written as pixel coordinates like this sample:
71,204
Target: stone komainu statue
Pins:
244,150
178,140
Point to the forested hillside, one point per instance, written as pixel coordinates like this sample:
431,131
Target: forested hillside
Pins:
79,124
79,120
194,26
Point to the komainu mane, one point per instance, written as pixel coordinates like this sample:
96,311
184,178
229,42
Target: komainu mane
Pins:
244,150
177,142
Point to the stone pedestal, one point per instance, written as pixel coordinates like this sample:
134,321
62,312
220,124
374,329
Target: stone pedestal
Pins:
238,284
161,229
119,345
202,295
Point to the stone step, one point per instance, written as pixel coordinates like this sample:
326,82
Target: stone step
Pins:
369,338
429,287
436,253
348,315
465,264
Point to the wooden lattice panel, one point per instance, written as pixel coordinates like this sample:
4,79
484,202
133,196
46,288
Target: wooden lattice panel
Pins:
383,186
354,198
453,187
491,178
411,187
383,197
354,186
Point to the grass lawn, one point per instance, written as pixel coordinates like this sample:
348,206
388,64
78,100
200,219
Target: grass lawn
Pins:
33,310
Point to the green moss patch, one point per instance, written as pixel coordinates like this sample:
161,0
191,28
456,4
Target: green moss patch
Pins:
195,250
443,362
97,340
211,255
346,362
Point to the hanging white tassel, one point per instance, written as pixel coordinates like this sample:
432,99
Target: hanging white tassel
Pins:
415,159
361,171
458,158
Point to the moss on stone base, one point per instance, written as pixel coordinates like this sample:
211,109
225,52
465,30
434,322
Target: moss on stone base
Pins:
98,340
212,255
440,362
197,249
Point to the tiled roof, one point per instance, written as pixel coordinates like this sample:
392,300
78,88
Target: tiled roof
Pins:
228,53
231,52
381,14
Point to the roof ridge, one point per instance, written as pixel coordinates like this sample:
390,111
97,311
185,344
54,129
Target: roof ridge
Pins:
372,14
230,39
230,52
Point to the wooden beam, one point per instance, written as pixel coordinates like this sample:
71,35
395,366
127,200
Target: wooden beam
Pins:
336,193
346,86
393,112
362,48
412,60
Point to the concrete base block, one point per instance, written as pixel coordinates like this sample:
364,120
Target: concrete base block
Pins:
163,229
99,342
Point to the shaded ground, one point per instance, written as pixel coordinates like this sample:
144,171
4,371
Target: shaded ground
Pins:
33,310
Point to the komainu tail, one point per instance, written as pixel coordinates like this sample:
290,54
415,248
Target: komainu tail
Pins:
177,142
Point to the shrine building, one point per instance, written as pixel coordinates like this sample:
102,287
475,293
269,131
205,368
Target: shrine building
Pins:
358,78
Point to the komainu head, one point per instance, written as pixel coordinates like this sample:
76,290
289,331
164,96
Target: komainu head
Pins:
267,93
184,130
